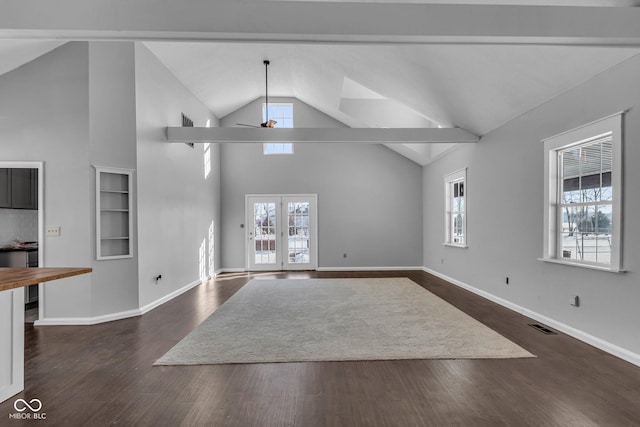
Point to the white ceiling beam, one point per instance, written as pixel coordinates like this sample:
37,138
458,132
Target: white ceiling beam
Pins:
328,22
322,135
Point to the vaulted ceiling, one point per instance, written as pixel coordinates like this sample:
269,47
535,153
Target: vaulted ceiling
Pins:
475,87
474,65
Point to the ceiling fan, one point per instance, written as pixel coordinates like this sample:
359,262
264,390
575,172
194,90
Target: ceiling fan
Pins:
267,123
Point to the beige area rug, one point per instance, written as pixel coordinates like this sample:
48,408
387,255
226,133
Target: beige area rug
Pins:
295,320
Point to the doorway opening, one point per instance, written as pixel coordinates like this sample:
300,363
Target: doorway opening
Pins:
281,232
22,225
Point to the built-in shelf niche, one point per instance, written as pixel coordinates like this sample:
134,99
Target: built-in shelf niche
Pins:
114,218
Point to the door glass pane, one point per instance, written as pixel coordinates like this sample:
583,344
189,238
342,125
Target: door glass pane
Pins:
265,232
298,233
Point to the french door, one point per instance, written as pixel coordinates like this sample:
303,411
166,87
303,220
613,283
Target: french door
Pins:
281,232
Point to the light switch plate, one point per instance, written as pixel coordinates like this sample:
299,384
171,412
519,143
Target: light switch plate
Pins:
53,231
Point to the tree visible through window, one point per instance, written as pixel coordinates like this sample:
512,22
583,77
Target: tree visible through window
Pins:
583,193
586,201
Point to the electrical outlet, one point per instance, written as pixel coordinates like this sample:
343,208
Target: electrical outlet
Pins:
441,260
53,231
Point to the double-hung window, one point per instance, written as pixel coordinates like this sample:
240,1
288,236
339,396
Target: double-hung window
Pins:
583,169
456,208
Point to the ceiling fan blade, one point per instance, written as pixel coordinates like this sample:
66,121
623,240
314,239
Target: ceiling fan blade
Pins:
244,124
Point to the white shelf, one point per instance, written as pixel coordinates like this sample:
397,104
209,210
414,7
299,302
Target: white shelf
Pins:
114,220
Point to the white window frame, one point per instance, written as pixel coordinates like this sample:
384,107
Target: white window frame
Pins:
552,246
277,148
280,148
449,180
280,123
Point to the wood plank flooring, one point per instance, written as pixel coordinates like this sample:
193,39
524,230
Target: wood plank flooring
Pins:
103,375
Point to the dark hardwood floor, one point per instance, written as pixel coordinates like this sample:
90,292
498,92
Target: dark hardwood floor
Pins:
103,375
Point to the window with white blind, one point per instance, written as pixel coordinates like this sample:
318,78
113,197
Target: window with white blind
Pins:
455,189
583,195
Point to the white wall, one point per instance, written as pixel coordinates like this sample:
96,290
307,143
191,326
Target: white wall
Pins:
505,205
44,116
369,197
176,203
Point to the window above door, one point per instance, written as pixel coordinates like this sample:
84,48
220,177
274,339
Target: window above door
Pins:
282,113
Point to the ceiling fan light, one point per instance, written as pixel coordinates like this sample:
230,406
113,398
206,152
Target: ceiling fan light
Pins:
268,124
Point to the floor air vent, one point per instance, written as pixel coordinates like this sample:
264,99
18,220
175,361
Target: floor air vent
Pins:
542,329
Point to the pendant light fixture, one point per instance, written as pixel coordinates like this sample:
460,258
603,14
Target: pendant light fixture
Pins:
267,123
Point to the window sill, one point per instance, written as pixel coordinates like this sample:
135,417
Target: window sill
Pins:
580,265
453,245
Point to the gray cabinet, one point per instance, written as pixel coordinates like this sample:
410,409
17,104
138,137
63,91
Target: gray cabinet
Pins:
19,188
5,188
24,188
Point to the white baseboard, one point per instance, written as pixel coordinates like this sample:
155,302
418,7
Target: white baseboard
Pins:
368,268
60,321
243,270
63,321
233,270
599,343
147,308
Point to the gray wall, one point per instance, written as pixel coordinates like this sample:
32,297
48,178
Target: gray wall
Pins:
112,142
369,197
305,116
505,205
44,116
176,203
107,104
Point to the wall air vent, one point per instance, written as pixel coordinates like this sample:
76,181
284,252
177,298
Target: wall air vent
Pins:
542,329
187,123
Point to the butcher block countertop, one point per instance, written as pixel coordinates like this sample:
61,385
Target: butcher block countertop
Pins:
11,278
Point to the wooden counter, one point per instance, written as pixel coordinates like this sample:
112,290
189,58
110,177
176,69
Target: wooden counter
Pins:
12,320
11,278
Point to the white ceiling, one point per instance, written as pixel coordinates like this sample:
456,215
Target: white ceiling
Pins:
14,53
475,87
373,78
